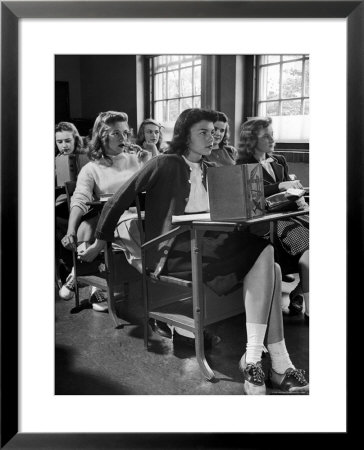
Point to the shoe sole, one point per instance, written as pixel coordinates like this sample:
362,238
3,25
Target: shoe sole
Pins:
295,390
69,297
99,308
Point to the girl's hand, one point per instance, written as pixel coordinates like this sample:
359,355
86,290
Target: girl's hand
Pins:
301,203
295,184
92,251
151,148
69,241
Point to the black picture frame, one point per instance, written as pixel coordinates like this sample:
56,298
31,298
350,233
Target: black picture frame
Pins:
11,12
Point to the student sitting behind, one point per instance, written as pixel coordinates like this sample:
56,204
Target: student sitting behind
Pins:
222,154
150,136
112,164
292,243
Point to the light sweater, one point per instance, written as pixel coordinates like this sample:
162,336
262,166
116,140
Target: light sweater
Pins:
97,177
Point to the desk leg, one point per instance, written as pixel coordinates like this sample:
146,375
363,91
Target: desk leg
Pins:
198,303
273,231
109,262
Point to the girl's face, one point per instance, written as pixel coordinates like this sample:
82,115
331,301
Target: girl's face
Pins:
265,143
151,133
201,140
65,142
118,137
220,129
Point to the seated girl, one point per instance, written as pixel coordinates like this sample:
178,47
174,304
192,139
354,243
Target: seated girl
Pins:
150,136
113,162
175,184
67,142
257,145
222,154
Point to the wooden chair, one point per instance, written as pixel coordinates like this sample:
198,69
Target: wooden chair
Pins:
174,300
114,279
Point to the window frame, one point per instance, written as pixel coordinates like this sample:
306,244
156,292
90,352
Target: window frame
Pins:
286,145
151,74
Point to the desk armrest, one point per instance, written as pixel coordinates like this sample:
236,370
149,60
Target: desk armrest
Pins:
164,237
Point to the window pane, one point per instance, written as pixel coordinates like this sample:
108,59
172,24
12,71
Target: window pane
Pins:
173,62
290,57
186,103
269,82
291,107
186,60
197,102
273,58
197,81
306,107
186,82
160,63
160,86
197,61
307,72
268,109
292,79
172,110
173,86
160,111
272,109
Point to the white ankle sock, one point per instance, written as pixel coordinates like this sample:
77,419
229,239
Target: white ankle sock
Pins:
279,357
306,296
254,347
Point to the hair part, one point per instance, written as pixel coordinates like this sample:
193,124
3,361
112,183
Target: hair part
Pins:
69,127
140,139
183,125
100,133
249,131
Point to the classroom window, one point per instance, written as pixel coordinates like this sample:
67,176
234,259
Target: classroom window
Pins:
175,86
283,94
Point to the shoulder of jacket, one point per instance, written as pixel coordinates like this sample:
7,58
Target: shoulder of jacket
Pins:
280,158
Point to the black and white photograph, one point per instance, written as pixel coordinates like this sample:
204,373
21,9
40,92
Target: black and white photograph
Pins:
157,228
182,212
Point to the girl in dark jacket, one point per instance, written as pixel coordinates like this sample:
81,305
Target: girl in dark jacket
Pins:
257,145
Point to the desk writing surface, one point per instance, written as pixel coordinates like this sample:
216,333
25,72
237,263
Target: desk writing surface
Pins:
205,218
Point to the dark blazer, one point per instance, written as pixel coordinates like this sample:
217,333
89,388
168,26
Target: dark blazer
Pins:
166,180
280,169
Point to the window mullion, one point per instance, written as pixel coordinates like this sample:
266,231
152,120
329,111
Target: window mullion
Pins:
303,84
280,87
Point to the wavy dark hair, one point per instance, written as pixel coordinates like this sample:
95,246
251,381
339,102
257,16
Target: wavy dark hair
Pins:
249,134
68,126
222,117
182,128
100,135
141,136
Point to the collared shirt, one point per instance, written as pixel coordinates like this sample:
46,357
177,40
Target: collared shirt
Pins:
266,164
198,200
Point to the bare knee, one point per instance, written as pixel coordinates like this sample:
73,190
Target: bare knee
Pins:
304,260
277,271
268,254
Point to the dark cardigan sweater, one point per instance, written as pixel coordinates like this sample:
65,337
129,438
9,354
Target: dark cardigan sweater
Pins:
166,180
280,169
